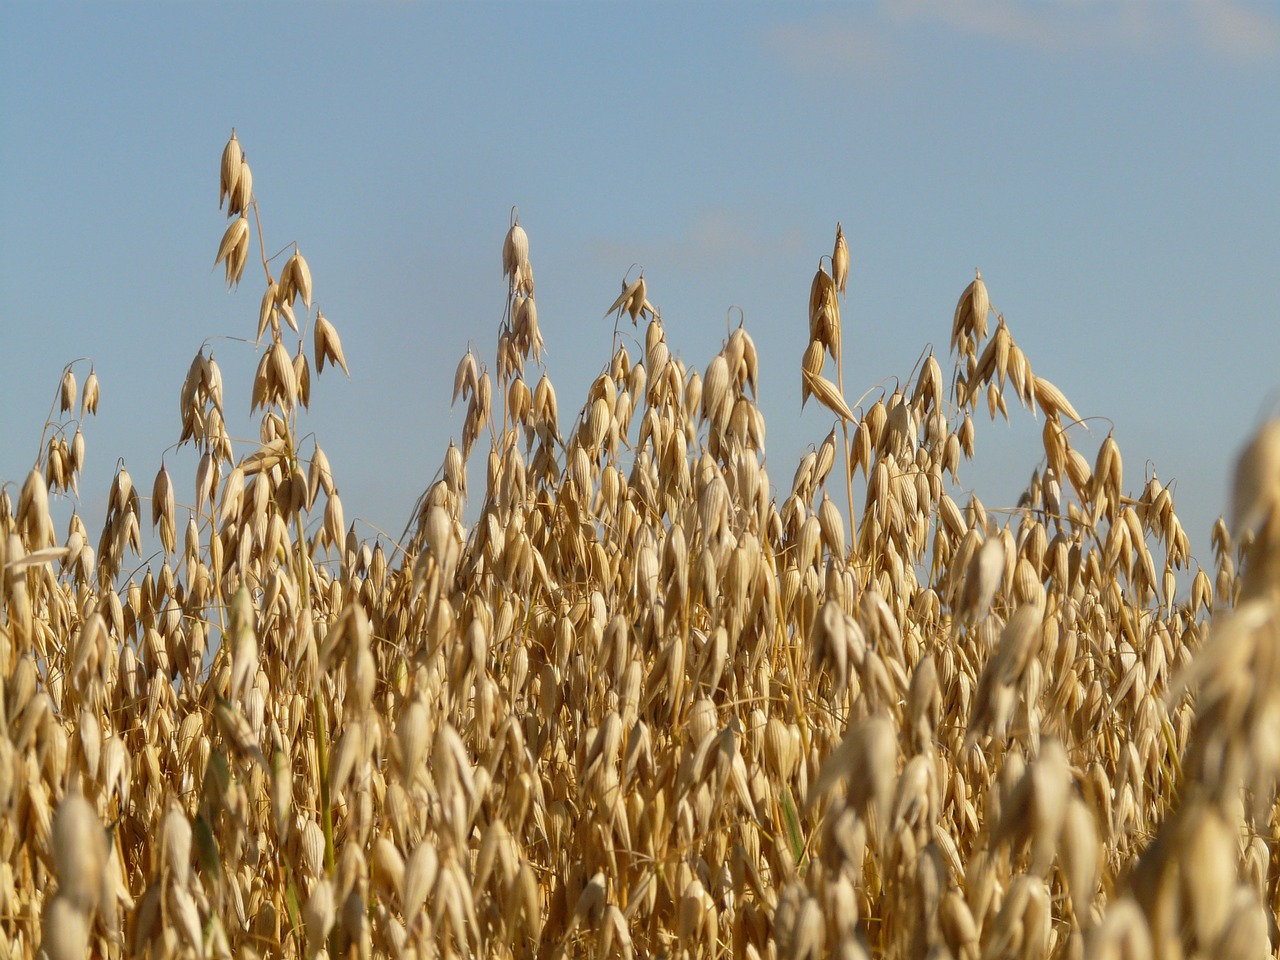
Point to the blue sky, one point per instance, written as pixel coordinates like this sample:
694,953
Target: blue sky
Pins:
1111,168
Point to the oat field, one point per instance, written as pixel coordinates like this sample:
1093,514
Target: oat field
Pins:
652,701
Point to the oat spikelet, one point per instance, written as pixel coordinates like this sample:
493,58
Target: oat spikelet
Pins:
234,249
632,301
840,260
515,255
67,391
162,508
241,195
969,326
89,396
328,346
232,158
295,280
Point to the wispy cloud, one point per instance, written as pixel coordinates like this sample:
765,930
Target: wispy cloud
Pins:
817,45
715,237
1059,27
871,38
1237,32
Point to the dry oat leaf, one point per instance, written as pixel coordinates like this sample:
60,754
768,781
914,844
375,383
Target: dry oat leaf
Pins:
35,558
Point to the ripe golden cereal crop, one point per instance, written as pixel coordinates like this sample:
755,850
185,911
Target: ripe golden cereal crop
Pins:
648,703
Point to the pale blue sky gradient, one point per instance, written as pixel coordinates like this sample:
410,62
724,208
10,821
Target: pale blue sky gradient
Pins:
1111,168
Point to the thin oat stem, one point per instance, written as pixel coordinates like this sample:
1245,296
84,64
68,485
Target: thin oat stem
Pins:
262,240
